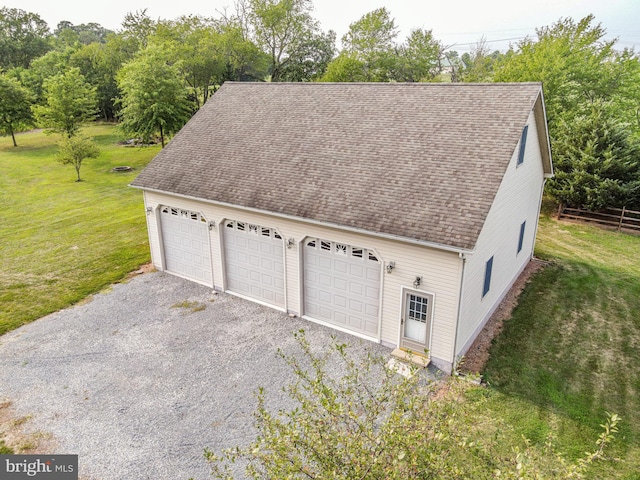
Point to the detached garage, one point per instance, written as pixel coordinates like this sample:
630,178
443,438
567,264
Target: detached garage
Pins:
399,213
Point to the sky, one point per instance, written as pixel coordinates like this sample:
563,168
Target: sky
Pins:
459,24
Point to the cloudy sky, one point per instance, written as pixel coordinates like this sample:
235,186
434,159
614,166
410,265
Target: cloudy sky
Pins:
456,23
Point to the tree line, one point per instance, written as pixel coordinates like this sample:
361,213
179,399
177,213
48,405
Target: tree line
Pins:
153,75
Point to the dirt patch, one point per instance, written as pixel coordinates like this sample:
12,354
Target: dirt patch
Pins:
477,356
147,268
15,433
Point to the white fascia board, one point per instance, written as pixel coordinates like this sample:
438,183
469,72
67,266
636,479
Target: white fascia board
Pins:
398,238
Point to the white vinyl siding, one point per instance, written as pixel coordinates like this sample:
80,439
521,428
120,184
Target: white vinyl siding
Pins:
440,270
517,200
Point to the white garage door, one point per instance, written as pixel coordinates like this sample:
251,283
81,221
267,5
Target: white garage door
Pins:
342,285
185,237
254,262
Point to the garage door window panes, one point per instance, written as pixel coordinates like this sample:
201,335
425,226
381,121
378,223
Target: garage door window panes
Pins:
187,214
254,229
341,249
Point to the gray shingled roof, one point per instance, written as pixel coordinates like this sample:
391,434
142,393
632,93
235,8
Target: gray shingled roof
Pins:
421,161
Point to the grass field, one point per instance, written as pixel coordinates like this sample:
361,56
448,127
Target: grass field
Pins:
571,352
61,240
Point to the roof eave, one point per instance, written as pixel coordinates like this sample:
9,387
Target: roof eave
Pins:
543,134
398,238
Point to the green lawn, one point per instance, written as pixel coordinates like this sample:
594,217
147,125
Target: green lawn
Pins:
61,240
571,352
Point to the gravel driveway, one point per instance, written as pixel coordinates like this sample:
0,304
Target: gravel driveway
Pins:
143,377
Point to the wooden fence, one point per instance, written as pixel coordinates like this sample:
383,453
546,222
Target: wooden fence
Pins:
617,218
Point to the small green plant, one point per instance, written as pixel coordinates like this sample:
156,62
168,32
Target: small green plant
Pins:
191,306
4,449
372,423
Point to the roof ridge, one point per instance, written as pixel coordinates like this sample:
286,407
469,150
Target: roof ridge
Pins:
422,84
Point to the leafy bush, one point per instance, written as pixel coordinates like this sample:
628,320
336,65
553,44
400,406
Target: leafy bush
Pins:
376,424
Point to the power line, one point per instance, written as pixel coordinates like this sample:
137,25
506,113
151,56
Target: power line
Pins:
488,41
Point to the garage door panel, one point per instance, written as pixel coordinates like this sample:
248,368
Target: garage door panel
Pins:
370,310
185,237
356,306
325,263
340,267
254,257
266,249
253,245
340,301
342,285
357,271
373,274
266,264
373,293
340,318
254,261
356,322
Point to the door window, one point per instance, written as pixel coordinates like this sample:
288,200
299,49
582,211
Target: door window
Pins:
417,314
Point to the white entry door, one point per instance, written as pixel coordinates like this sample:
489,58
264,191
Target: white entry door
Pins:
416,321
342,286
254,260
185,242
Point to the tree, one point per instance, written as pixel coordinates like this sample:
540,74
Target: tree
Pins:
290,36
596,162
154,101
372,35
54,62
196,47
420,57
85,33
346,67
73,150
70,102
625,103
309,57
244,59
479,64
23,37
138,27
572,60
100,63
369,53
587,85
15,106
376,424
